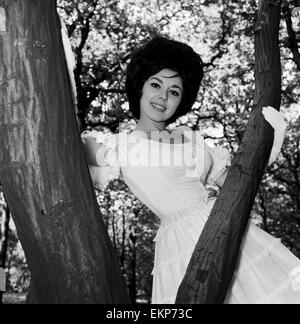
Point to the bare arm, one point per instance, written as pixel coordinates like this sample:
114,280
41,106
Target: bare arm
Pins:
276,120
220,181
219,161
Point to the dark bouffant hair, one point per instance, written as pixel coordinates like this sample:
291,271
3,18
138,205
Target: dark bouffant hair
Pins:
158,54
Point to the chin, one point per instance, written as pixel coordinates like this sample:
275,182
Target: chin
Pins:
155,117
161,119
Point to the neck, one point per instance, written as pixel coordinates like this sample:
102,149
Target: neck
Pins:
150,126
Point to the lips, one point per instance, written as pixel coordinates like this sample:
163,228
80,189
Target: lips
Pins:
158,107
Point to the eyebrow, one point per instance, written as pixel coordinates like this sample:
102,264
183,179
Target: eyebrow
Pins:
173,86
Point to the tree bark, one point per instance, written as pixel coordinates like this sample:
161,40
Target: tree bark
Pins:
43,168
211,268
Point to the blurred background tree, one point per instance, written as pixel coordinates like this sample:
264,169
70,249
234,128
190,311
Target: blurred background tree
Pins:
103,35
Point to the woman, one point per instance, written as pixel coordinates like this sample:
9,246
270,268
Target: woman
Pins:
163,80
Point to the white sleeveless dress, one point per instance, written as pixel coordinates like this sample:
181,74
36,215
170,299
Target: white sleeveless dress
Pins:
267,272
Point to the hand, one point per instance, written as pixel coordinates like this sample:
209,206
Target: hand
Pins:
276,120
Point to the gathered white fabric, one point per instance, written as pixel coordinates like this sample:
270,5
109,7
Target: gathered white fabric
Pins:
102,176
266,270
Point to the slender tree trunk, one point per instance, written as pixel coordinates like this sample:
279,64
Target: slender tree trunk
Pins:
262,204
123,244
4,241
42,165
293,41
211,268
132,270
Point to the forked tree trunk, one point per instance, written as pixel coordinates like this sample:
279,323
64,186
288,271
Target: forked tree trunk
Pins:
42,165
213,262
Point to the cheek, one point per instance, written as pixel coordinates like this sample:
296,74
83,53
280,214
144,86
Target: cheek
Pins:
176,103
142,97
143,101
144,94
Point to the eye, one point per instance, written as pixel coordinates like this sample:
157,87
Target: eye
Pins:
155,85
175,93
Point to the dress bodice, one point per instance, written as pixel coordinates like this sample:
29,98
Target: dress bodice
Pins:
165,177
175,181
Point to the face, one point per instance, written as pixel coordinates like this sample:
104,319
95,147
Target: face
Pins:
161,96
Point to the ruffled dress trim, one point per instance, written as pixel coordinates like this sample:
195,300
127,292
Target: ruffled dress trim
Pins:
266,271
175,243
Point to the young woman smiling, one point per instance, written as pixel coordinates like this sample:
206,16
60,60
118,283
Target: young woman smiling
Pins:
162,84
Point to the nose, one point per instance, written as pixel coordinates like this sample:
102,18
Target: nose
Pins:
163,95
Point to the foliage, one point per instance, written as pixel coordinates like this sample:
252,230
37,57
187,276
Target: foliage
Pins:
17,272
131,226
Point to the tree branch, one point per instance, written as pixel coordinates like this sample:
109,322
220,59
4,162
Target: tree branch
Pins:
289,97
220,43
293,44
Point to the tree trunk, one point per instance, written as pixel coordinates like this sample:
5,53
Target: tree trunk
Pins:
42,165
262,204
4,240
211,268
293,41
132,269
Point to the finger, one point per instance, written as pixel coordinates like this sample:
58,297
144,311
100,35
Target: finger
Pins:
269,109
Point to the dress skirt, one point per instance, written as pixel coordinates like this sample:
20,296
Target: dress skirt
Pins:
266,273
